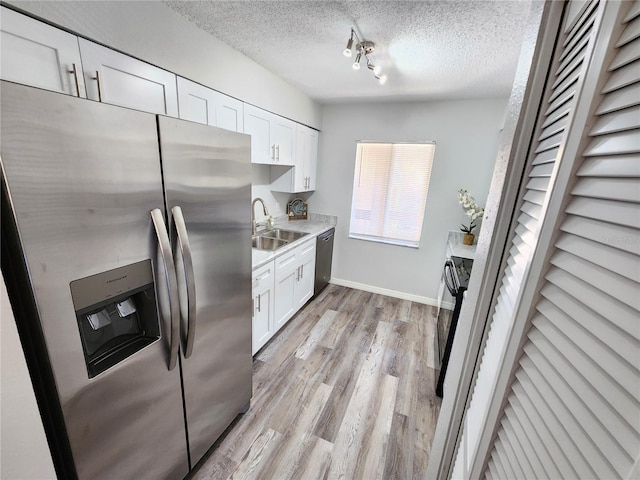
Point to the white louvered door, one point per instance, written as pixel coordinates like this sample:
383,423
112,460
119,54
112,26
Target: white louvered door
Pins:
546,151
572,409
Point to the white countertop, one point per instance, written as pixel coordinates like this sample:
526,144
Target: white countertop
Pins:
456,248
315,226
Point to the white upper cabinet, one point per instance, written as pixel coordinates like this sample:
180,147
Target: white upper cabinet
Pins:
302,177
272,136
118,79
34,53
283,134
204,105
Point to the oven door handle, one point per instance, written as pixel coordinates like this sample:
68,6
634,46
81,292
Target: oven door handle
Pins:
448,277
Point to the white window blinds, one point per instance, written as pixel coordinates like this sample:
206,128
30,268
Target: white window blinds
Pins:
390,187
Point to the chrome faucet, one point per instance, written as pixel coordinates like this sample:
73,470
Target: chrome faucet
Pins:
254,225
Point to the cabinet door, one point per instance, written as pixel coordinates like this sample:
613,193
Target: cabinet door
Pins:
312,160
257,124
118,79
204,105
302,153
306,259
196,102
36,54
263,291
283,134
285,287
229,113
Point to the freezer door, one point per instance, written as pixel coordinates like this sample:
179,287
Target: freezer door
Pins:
82,179
207,174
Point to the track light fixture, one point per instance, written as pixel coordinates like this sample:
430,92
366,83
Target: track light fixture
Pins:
366,48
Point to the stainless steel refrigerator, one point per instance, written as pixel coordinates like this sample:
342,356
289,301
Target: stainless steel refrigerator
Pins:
126,250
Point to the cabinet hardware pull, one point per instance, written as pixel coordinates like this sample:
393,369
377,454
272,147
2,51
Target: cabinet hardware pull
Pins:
278,153
74,70
97,79
302,271
273,152
259,303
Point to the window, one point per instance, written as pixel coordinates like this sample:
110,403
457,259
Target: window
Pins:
390,192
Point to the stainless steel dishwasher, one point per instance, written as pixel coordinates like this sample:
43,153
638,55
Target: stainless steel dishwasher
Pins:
324,253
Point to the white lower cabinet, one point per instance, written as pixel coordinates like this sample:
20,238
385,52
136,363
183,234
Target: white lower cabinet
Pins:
263,293
294,279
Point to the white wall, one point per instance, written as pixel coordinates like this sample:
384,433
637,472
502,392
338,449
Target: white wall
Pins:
466,135
153,32
260,187
25,452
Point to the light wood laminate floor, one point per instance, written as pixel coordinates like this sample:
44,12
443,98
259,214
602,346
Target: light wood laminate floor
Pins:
345,390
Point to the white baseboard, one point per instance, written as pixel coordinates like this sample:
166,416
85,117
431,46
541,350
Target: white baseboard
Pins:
384,291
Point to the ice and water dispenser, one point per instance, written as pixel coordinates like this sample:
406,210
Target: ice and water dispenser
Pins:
116,313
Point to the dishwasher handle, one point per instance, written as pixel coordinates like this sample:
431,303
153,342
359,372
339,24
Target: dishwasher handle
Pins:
326,236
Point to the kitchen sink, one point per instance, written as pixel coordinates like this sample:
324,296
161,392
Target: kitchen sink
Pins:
267,243
281,234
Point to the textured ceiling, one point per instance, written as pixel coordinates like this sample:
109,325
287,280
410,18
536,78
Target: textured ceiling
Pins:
429,49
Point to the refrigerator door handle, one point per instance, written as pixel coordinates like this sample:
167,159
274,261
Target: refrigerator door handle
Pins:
172,283
185,251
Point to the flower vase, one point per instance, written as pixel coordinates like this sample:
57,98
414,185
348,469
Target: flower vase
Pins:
468,238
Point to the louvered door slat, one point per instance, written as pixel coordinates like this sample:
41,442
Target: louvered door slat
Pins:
614,144
549,143
514,441
512,453
630,33
556,127
612,374
601,278
609,211
552,413
619,189
562,111
604,332
622,77
536,448
543,170
545,157
620,99
569,67
539,184
618,121
524,440
555,455
634,11
535,197
610,167
626,54
578,26
528,222
531,209
559,101
568,85
623,263
551,365
618,313
500,464
618,236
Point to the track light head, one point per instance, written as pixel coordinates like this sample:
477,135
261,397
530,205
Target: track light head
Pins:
347,51
356,63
